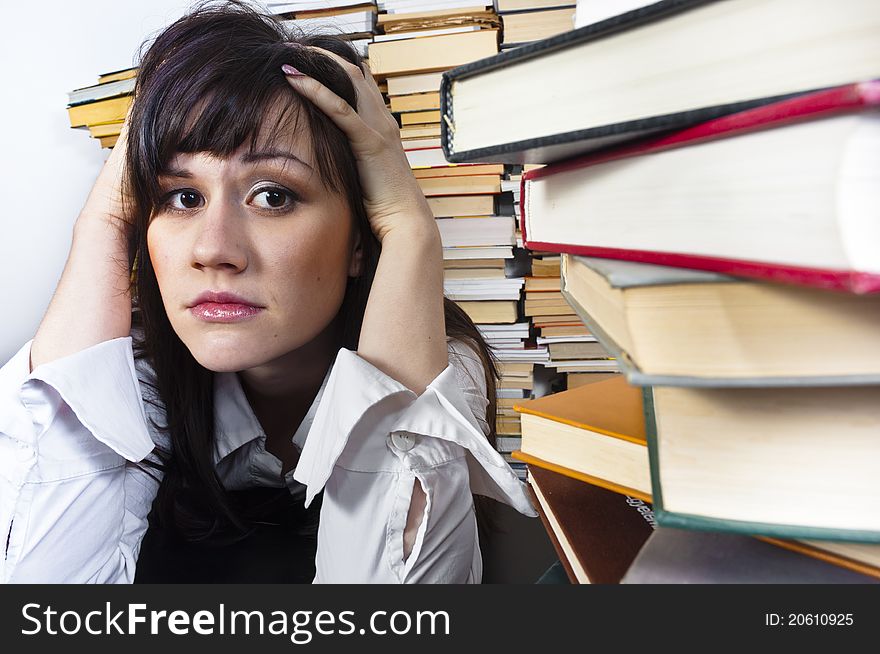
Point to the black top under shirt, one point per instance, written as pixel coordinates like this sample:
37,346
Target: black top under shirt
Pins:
280,549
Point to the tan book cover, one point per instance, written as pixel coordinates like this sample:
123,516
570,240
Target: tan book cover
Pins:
536,25
475,11
490,311
462,205
473,263
540,284
431,54
415,102
459,169
419,132
476,184
420,118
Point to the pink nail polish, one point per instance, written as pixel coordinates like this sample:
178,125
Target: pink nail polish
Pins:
290,70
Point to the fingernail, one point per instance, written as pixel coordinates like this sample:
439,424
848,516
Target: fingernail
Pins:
290,70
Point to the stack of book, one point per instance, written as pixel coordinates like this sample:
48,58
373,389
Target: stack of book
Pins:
524,21
476,216
354,20
714,206
101,108
542,291
572,349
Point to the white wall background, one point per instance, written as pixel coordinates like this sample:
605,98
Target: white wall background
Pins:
47,168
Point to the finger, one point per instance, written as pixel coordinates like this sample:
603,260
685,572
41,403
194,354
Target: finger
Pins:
371,105
371,82
338,110
360,75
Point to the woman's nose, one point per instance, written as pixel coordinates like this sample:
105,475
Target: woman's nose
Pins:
220,241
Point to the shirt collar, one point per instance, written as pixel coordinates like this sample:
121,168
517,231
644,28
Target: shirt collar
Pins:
235,423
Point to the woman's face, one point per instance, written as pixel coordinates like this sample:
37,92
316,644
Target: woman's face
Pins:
264,229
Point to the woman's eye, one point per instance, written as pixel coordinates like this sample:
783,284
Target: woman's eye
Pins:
273,198
269,198
186,198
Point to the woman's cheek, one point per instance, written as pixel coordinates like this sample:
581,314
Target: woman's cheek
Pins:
161,255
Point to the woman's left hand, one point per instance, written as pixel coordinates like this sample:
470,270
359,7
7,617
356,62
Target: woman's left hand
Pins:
393,199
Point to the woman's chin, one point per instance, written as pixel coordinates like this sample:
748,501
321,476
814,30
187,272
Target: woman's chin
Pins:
227,354
218,363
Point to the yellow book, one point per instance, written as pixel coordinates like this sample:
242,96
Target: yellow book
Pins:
476,184
490,311
462,205
106,129
420,118
419,132
415,102
460,169
595,433
429,54
535,25
117,75
108,141
474,263
474,12
102,111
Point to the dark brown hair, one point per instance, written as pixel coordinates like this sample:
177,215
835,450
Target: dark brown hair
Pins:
206,84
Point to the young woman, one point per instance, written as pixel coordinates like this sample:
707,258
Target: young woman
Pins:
248,371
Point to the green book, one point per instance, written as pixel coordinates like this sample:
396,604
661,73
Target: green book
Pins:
789,462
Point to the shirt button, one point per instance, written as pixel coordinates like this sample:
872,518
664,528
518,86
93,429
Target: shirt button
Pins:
403,441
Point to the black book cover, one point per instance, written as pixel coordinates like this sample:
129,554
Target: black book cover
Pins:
557,147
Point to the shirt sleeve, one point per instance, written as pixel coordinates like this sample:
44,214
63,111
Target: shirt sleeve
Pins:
372,438
73,504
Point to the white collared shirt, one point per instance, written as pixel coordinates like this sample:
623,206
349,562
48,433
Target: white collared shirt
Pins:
73,511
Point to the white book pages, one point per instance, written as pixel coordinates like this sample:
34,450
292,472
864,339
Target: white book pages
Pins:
311,5
588,12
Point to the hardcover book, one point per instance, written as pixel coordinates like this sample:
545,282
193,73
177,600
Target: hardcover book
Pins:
675,326
660,67
595,433
803,209
793,463
596,533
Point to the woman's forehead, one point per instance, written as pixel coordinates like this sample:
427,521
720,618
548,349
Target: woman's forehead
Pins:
280,137
279,124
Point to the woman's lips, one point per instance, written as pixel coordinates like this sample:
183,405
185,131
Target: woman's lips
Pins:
224,311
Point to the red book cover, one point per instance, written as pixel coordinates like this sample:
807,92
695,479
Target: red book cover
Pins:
838,100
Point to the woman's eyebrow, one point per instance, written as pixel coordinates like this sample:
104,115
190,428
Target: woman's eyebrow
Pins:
252,157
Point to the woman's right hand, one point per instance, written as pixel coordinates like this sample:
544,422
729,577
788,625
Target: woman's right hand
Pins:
92,303
105,202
